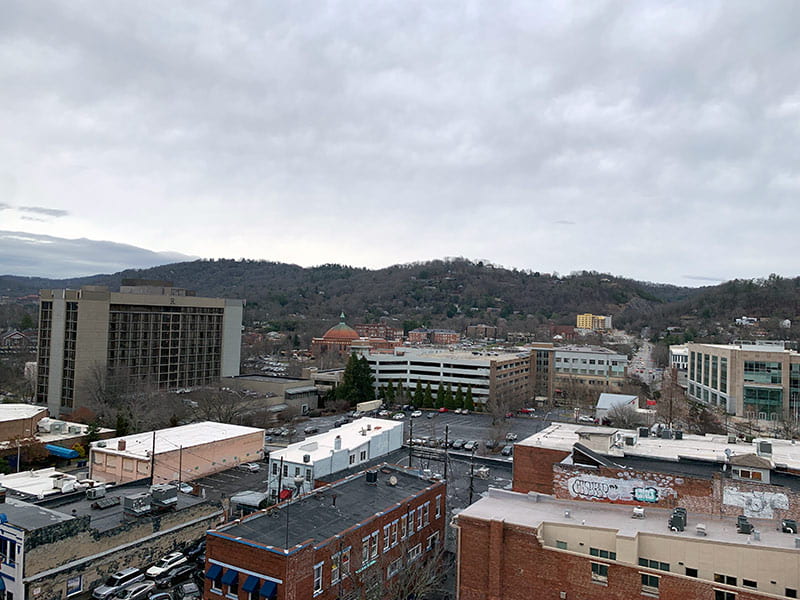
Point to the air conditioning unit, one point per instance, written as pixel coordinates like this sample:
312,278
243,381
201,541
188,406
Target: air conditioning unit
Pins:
57,427
638,512
73,429
96,492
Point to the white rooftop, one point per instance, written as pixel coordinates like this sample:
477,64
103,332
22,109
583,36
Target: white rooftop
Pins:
319,446
444,355
37,483
533,510
14,412
562,436
140,445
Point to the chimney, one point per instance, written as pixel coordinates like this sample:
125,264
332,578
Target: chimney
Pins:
121,445
337,442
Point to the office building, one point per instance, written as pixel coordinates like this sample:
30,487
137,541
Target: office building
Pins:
148,333
321,455
591,366
759,380
368,531
504,377
515,546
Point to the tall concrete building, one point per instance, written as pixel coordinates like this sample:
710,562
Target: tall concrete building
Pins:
148,332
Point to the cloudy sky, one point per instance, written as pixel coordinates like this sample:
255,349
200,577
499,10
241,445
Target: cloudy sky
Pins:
656,140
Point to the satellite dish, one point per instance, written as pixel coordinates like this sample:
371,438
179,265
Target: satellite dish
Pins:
392,480
728,452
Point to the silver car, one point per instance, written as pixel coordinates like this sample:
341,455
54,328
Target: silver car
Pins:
116,582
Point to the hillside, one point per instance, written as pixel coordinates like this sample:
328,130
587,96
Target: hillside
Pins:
452,293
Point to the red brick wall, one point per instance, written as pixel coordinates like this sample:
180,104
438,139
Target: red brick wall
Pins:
533,468
502,562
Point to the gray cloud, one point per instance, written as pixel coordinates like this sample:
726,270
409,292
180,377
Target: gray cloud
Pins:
50,212
269,130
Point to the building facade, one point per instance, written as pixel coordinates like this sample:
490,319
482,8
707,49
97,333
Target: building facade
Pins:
481,332
591,366
368,532
594,322
758,380
148,333
379,330
507,378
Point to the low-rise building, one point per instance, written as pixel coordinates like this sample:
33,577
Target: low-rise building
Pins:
369,531
608,403
294,469
481,332
379,330
177,453
593,366
294,394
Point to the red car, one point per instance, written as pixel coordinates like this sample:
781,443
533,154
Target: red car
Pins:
509,415
443,409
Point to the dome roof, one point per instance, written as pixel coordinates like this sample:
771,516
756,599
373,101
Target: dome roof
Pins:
341,332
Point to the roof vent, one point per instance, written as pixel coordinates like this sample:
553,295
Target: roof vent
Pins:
372,478
120,445
337,442
306,458
567,514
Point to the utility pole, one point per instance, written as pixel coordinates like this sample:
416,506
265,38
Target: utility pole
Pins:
280,480
446,449
18,455
180,464
153,461
410,444
471,475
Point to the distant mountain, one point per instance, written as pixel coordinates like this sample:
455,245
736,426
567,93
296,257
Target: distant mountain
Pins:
35,255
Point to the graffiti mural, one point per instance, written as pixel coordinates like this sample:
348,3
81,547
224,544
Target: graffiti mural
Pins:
759,505
595,487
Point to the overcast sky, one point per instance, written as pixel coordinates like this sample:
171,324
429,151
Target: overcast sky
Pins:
654,140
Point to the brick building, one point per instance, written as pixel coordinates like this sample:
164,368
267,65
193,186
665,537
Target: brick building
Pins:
368,530
481,332
440,337
379,330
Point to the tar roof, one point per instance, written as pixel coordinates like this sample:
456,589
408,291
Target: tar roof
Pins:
139,445
315,518
30,517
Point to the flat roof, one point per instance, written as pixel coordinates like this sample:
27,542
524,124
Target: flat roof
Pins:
711,448
14,412
534,510
443,355
319,446
588,350
29,516
140,445
38,483
314,517
269,378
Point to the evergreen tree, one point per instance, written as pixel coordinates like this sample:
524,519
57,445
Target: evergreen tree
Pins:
459,399
418,395
468,402
449,400
427,399
439,396
357,382
389,393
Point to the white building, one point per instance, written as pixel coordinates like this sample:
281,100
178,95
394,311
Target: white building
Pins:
679,357
299,464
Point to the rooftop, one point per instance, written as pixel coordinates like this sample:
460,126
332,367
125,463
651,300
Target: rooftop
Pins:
29,516
329,510
709,448
14,412
588,350
140,445
446,355
534,510
319,446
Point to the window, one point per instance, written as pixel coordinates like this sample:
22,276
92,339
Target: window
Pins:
726,579
438,506
603,553
318,578
285,470
749,583
561,545
346,562
373,545
233,588
426,514
308,474
216,586
419,518
274,468
297,471
363,456
724,595
403,529
352,459
394,533
413,553
336,561
394,568
386,541
650,584
74,585
599,573
364,551
791,593
654,564
691,572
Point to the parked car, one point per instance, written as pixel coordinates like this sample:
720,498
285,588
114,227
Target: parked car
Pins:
431,415
195,550
464,411
585,419
160,596
490,444
116,582
251,467
470,446
511,436
507,450
188,591
136,591
458,444
442,409
166,563
175,576
183,487
457,411
311,429
384,413
399,417
416,413
509,415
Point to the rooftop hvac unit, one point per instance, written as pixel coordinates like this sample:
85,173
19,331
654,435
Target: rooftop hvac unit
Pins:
700,529
164,494
644,432
96,492
789,526
136,505
731,439
306,458
678,434
764,447
101,444
372,478
666,434
630,440
74,429
57,426
638,512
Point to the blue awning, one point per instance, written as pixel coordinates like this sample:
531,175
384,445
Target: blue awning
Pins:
269,589
61,452
230,576
2,585
250,584
213,573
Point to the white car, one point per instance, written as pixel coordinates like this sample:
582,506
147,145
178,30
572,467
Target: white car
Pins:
251,467
399,417
457,411
170,561
585,419
416,413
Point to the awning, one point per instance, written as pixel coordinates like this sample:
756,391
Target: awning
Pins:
213,573
250,584
2,585
230,576
269,589
60,451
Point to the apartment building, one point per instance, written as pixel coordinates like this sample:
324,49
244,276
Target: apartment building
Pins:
750,379
294,470
515,546
365,534
506,377
149,332
594,322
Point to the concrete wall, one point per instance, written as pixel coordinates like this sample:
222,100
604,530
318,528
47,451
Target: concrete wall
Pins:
20,428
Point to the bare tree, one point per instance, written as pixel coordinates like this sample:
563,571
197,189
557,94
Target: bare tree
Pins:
624,416
222,405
